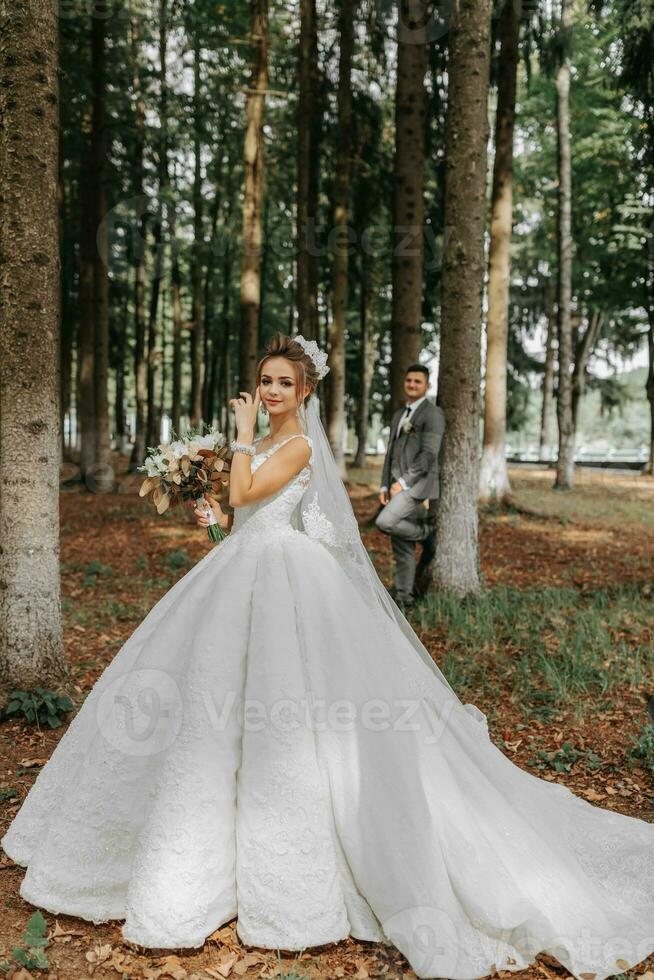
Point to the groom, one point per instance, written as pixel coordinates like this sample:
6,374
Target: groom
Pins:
410,480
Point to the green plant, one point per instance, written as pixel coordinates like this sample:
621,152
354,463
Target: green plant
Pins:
293,975
39,706
563,759
95,568
176,559
33,956
641,752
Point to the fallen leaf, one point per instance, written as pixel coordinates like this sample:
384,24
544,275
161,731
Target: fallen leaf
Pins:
592,795
97,955
223,968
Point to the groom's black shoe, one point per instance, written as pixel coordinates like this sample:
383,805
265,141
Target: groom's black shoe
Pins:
423,568
404,601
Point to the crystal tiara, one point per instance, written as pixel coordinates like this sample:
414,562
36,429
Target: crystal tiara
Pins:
318,356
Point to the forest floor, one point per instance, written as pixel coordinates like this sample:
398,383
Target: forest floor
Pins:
558,652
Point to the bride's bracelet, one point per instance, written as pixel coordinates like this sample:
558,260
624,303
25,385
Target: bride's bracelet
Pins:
241,447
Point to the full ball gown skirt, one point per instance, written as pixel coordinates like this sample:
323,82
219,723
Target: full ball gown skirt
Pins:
265,746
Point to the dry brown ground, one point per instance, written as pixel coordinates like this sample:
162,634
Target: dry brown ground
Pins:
601,535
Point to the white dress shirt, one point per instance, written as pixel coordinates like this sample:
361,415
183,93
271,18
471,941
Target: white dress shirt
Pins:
405,418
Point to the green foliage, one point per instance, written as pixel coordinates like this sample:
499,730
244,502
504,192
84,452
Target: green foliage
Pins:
176,559
38,707
293,974
550,648
92,571
641,752
564,758
32,957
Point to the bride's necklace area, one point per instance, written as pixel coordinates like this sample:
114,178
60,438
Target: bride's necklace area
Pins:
273,444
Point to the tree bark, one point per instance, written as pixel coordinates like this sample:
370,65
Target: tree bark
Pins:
176,310
584,348
212,331
102,476
140,359
120,368
548,375
367,359
86,337
494,477
155,356
340,232
253,198
649,466
565,463
154,418
68,305
456,564
31,645
197,334
307,173
408,194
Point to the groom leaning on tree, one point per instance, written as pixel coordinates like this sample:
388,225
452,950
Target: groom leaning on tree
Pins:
410,483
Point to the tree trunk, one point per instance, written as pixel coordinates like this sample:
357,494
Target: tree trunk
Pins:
212,331
548,376
68,306
649,467
584,348
494,478
155,356
31,646
121,372
408,191
86,338
253,198
367,358
102,477
565,463
140,360
340,261
456,564
197,334
154,419
176,310
307,165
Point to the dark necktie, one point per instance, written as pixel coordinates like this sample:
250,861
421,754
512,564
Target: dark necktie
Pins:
407,412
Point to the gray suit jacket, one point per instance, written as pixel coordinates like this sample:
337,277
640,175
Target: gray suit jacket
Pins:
414,455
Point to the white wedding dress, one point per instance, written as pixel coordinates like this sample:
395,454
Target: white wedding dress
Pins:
354,795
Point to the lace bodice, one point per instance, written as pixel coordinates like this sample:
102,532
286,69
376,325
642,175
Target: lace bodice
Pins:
274,513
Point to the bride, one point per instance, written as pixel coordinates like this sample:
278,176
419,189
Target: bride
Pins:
274,742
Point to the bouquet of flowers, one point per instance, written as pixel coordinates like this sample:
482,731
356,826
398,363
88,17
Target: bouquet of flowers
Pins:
185,469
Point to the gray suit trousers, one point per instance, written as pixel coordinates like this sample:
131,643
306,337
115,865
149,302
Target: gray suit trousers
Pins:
404,518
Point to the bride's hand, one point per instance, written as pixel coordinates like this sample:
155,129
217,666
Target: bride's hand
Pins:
246,410
202,517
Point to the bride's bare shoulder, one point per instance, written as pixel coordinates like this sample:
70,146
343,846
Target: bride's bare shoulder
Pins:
297,448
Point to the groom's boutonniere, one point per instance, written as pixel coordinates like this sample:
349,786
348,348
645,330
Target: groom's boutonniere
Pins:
408,427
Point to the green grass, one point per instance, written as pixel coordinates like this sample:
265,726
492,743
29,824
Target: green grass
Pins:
553,648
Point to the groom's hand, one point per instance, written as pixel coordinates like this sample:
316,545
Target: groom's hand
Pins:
396,488
383,497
